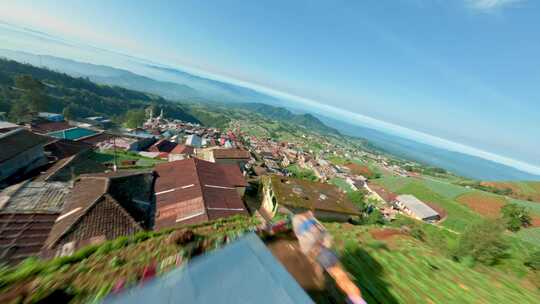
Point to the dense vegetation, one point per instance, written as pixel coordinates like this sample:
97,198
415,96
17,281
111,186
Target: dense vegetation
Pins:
25,89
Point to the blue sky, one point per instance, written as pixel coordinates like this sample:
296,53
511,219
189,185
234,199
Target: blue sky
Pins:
463,73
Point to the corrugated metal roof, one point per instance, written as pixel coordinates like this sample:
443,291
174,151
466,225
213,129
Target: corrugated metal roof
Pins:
416,206
34,197
245,271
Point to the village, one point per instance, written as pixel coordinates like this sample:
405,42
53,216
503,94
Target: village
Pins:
68,184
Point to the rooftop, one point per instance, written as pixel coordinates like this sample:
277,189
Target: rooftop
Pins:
231,153
18,141
34,197
305,194
194,190
416,206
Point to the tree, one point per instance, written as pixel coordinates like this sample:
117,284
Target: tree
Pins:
135,118
515,217
68,112
482,242
19,112
34,92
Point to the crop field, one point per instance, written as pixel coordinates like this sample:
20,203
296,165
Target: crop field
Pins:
528,191
531,235
392,183
482,203
403,270
445,189
534,207
459,216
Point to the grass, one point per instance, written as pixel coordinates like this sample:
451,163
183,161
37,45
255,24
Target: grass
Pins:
93,270
409,271
341,183
530,235
108,157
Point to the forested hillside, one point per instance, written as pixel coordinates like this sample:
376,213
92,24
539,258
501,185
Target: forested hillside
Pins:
25,89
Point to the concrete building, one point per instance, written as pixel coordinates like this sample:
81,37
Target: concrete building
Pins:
51,116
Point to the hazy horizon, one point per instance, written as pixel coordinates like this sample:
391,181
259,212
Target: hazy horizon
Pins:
508,140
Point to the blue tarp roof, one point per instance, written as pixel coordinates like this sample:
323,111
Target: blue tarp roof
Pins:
245,271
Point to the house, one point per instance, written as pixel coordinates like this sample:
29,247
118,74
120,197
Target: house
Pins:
162,146
75,133
102,207
181,152
193,190
45,126
28,211
71,158
7,126
239,157
414,207
128,143
194,140
51,116
98,121
21,151
244,271
297,195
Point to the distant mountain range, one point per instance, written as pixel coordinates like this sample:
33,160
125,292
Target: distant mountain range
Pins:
282,114
456,162
184,87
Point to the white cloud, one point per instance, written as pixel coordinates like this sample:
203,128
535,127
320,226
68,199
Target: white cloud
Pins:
490,5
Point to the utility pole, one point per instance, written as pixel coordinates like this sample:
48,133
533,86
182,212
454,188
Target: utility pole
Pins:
114,153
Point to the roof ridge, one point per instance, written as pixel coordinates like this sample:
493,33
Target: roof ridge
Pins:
79,215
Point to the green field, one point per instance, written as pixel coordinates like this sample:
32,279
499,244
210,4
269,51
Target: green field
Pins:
341,183
108,157
404,270
530,235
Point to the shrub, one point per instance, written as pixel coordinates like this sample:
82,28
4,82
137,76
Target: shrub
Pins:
533,261
515,217
483,242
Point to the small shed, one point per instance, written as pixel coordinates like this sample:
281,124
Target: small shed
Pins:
416,208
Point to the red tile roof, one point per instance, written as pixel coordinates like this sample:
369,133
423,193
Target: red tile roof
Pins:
231,154
194,190
23,234
89,202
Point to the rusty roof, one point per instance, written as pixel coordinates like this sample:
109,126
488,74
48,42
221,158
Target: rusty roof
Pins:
18,141
194,190
305,194
23,234
231,154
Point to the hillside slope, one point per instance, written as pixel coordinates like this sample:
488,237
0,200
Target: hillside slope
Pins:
523,190
283,115
84,97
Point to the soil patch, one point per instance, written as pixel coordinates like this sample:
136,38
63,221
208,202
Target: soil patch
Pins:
385,194
440,210
384,234
359,169
483,204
